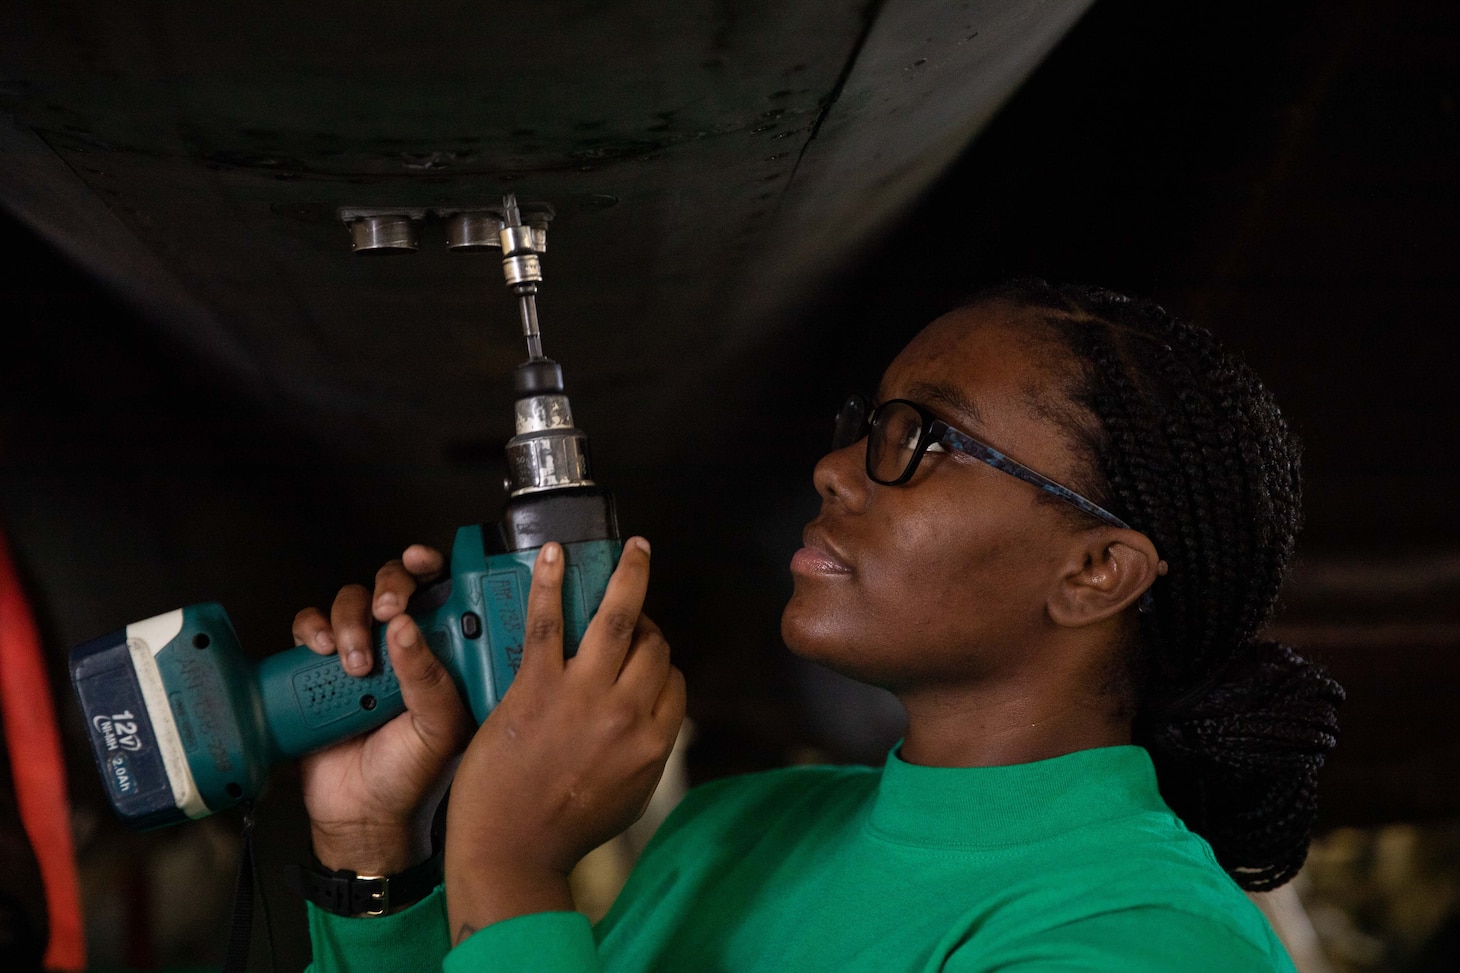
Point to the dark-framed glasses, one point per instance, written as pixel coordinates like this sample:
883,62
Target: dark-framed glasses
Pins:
899,432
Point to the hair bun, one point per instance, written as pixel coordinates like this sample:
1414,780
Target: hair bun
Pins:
1268,707
1239,762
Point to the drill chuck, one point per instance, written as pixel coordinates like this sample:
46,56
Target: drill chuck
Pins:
548,452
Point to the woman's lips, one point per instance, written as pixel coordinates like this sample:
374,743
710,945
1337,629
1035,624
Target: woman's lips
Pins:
816,557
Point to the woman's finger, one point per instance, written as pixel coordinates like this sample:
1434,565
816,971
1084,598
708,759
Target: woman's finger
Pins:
350,621
427,688
394,586
311,628
669,708
424,562
542,644
611,632
647,664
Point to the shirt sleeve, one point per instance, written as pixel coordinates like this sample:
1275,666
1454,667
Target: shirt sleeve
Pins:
1137,940
410,941
543,942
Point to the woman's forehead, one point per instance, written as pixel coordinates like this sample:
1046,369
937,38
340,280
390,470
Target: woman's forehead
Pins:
994,373
965,358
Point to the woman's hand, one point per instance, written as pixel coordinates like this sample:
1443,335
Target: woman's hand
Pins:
371,798
570,757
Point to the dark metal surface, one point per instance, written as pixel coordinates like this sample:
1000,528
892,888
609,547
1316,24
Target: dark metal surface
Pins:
709,159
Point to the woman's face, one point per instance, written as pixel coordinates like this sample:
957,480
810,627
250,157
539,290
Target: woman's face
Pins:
941,581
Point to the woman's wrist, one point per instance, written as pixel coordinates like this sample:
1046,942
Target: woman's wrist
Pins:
370,850
489,892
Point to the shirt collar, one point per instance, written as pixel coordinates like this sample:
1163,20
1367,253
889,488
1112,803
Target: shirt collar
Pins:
993,807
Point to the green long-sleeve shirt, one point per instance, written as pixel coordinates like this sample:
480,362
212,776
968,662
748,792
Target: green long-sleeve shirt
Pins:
1067,864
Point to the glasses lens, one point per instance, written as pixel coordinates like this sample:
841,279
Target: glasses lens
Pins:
851,422
896,430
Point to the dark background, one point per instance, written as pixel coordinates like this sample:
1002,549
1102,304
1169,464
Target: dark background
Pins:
1284,173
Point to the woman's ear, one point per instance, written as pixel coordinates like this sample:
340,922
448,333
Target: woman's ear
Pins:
1106,572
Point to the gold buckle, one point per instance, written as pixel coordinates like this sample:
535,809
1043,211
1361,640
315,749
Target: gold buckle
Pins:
380,896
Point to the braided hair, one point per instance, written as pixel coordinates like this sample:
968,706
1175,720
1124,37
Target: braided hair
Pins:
1187,446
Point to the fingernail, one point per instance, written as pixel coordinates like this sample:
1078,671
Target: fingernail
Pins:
641,544
386,601
355,661
325,641
406,637
550,553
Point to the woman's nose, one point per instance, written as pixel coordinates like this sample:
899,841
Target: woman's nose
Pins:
841,475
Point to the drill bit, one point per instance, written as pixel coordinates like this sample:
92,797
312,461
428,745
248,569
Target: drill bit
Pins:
523,269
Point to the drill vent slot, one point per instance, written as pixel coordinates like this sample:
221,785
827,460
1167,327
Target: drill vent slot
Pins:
326,693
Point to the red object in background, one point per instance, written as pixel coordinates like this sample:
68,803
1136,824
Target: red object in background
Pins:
39,768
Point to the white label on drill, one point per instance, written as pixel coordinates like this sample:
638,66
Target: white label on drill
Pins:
144,640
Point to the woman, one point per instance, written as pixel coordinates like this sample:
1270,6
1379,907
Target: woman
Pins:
1064,641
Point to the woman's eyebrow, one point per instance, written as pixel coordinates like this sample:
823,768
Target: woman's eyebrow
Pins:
950,397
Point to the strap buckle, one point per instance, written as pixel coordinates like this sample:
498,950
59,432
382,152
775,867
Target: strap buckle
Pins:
378,895
346,893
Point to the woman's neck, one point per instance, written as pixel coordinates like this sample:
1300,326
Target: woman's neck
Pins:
993,726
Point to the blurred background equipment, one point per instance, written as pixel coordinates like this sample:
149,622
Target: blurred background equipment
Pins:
38,772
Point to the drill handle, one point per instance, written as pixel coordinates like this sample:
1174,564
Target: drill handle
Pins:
474,622
310,702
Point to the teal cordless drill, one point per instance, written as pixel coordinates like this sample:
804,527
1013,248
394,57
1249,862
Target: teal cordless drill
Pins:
182,723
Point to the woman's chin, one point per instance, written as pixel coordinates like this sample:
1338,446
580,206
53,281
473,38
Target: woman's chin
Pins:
806,627
815,635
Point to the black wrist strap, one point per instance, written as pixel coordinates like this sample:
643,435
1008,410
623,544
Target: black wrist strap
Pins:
347,893
240,932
